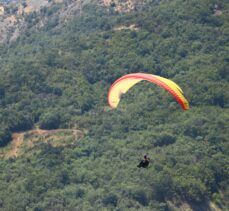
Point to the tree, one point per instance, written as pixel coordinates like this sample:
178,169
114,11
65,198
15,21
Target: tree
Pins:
50,121
5,136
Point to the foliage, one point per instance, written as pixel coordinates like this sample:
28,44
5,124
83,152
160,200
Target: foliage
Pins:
5,136
50,121
59,76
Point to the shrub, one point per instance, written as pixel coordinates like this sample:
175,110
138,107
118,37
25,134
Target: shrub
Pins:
5,137
50,121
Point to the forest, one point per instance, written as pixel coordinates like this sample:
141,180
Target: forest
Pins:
58,77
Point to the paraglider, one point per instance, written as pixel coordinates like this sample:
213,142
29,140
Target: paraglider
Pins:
144,163
123,84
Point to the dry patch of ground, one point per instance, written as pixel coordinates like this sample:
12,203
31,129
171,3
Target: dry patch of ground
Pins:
34,5
218,12
132,27
124,5
27,140
208,206
15,145
120,6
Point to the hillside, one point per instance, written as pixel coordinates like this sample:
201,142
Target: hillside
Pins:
54,79
17,16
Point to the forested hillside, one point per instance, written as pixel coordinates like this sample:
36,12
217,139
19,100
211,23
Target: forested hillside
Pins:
57,76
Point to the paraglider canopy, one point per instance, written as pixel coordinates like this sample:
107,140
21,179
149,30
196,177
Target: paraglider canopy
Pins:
123,84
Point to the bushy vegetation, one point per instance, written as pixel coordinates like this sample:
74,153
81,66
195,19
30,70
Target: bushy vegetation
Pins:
59,76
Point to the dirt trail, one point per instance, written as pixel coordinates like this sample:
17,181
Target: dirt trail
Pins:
47,132
17,143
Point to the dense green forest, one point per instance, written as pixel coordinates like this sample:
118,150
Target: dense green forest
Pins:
59,76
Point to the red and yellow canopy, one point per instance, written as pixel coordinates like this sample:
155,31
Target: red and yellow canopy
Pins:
123,84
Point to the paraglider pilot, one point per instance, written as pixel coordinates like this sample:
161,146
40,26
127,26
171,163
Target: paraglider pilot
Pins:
144,163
